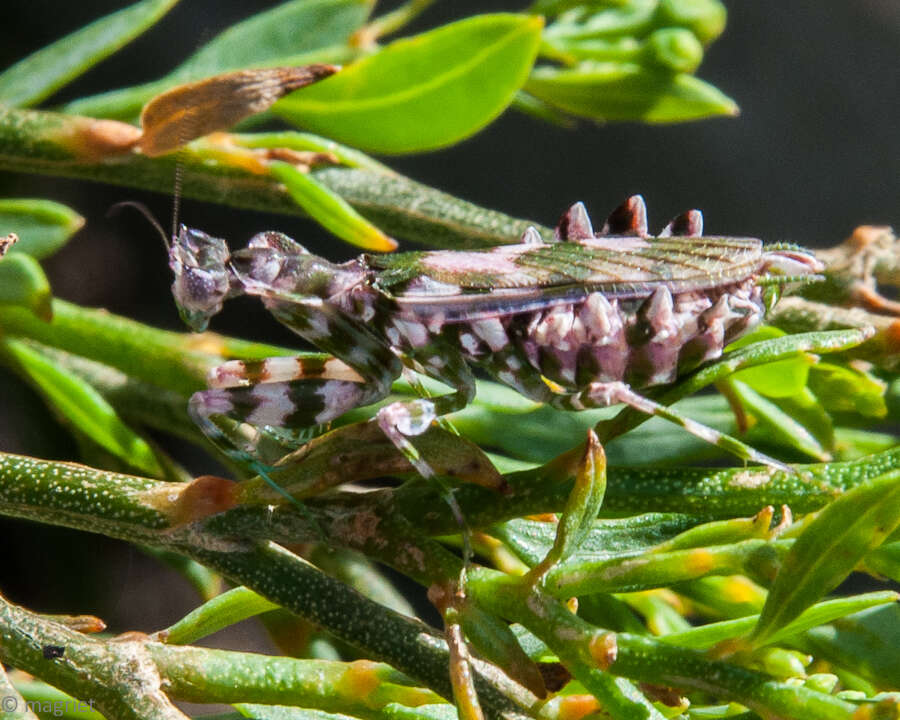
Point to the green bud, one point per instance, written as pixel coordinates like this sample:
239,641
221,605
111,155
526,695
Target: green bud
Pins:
634,18
623,48
705,18
851,695
627,91
676,49
822,682
783,663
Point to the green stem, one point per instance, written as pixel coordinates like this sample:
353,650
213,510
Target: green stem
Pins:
361,689
86,667
138,510
584,577
643,659
410,646
646,660
702,491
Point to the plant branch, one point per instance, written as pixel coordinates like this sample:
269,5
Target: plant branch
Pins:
137,510
84,148
118,677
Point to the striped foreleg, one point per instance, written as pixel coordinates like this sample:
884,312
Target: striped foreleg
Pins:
282,398
598,395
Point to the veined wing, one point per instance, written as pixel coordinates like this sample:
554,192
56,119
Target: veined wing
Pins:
516,278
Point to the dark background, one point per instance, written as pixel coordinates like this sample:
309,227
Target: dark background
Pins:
813,154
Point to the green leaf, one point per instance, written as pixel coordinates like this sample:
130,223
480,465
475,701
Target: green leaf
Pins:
424,92
43,226
845,389
582,506
274,37
292,33
307,142
885,561
867,642
778,425
627,91
530,540
31,80
80,404
215,614
805,409
330,209
705,636
783,378
828,550
22,282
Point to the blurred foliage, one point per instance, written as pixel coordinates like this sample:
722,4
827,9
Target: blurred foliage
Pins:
661,591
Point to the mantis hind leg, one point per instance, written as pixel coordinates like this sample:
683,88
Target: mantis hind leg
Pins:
612,393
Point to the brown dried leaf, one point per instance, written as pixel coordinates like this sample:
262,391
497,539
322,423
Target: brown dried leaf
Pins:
195,109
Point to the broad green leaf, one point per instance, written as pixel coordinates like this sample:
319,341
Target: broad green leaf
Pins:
530,540
31,80
276,36
80,404
783,378
22,282
292,33
424,92
828,550
330,209
627,91
845,389
43,226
